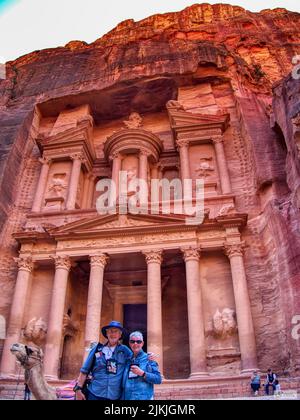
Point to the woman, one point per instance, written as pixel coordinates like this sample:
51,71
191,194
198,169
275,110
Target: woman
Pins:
255,382
140,373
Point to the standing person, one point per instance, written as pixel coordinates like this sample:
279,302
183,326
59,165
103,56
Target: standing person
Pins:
277,387
255,382
270,381
140,373
27,393
106,364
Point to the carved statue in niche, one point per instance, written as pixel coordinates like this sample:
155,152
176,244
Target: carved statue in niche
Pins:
70,328
134,121
205,169
58,185
224,323
35,331
131,179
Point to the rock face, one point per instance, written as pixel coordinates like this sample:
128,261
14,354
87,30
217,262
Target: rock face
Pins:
213,60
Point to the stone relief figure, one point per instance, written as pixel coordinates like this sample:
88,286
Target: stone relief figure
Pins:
224,323
70,328
58,185
175,105
205,168
296,120
35,331
226,209
134,121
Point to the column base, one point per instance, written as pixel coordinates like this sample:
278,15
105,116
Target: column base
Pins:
249,370
12,376
198,375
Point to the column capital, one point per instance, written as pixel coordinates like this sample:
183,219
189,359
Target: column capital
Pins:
233,250
115,155
45,160
78,156
24,263
144,152
153,256
99,260
182,143
217,139
191,253
62,261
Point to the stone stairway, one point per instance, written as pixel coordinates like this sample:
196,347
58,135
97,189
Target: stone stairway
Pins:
230,387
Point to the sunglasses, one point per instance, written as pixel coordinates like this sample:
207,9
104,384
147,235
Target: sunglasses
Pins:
135,341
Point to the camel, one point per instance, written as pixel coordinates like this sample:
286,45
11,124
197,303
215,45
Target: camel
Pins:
31,358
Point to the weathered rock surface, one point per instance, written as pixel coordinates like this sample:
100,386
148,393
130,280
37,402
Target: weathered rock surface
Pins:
208,57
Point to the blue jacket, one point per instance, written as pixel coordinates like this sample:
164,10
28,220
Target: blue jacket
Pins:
141,388
104,384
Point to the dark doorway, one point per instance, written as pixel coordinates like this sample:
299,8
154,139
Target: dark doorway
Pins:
135,319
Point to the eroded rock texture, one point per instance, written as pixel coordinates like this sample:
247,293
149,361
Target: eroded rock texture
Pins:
209,58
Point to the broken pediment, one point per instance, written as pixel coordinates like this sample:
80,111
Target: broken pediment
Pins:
181,118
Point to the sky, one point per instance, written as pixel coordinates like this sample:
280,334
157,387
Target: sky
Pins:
29,25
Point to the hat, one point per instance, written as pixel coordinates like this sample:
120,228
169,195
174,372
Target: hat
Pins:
112,324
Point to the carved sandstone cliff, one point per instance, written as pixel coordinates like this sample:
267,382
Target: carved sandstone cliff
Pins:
220,56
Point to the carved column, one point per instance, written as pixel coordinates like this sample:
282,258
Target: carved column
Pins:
195,313
86,191
17,310
222,165
41,187
55,324
93,314
184,159
74,181
185,165
243,308
154,172
143,175
154,305
116,168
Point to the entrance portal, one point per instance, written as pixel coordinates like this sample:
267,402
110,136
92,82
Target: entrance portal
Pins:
135,319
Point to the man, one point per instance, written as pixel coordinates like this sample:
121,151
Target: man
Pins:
140,373
270,381
27,392
106,364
